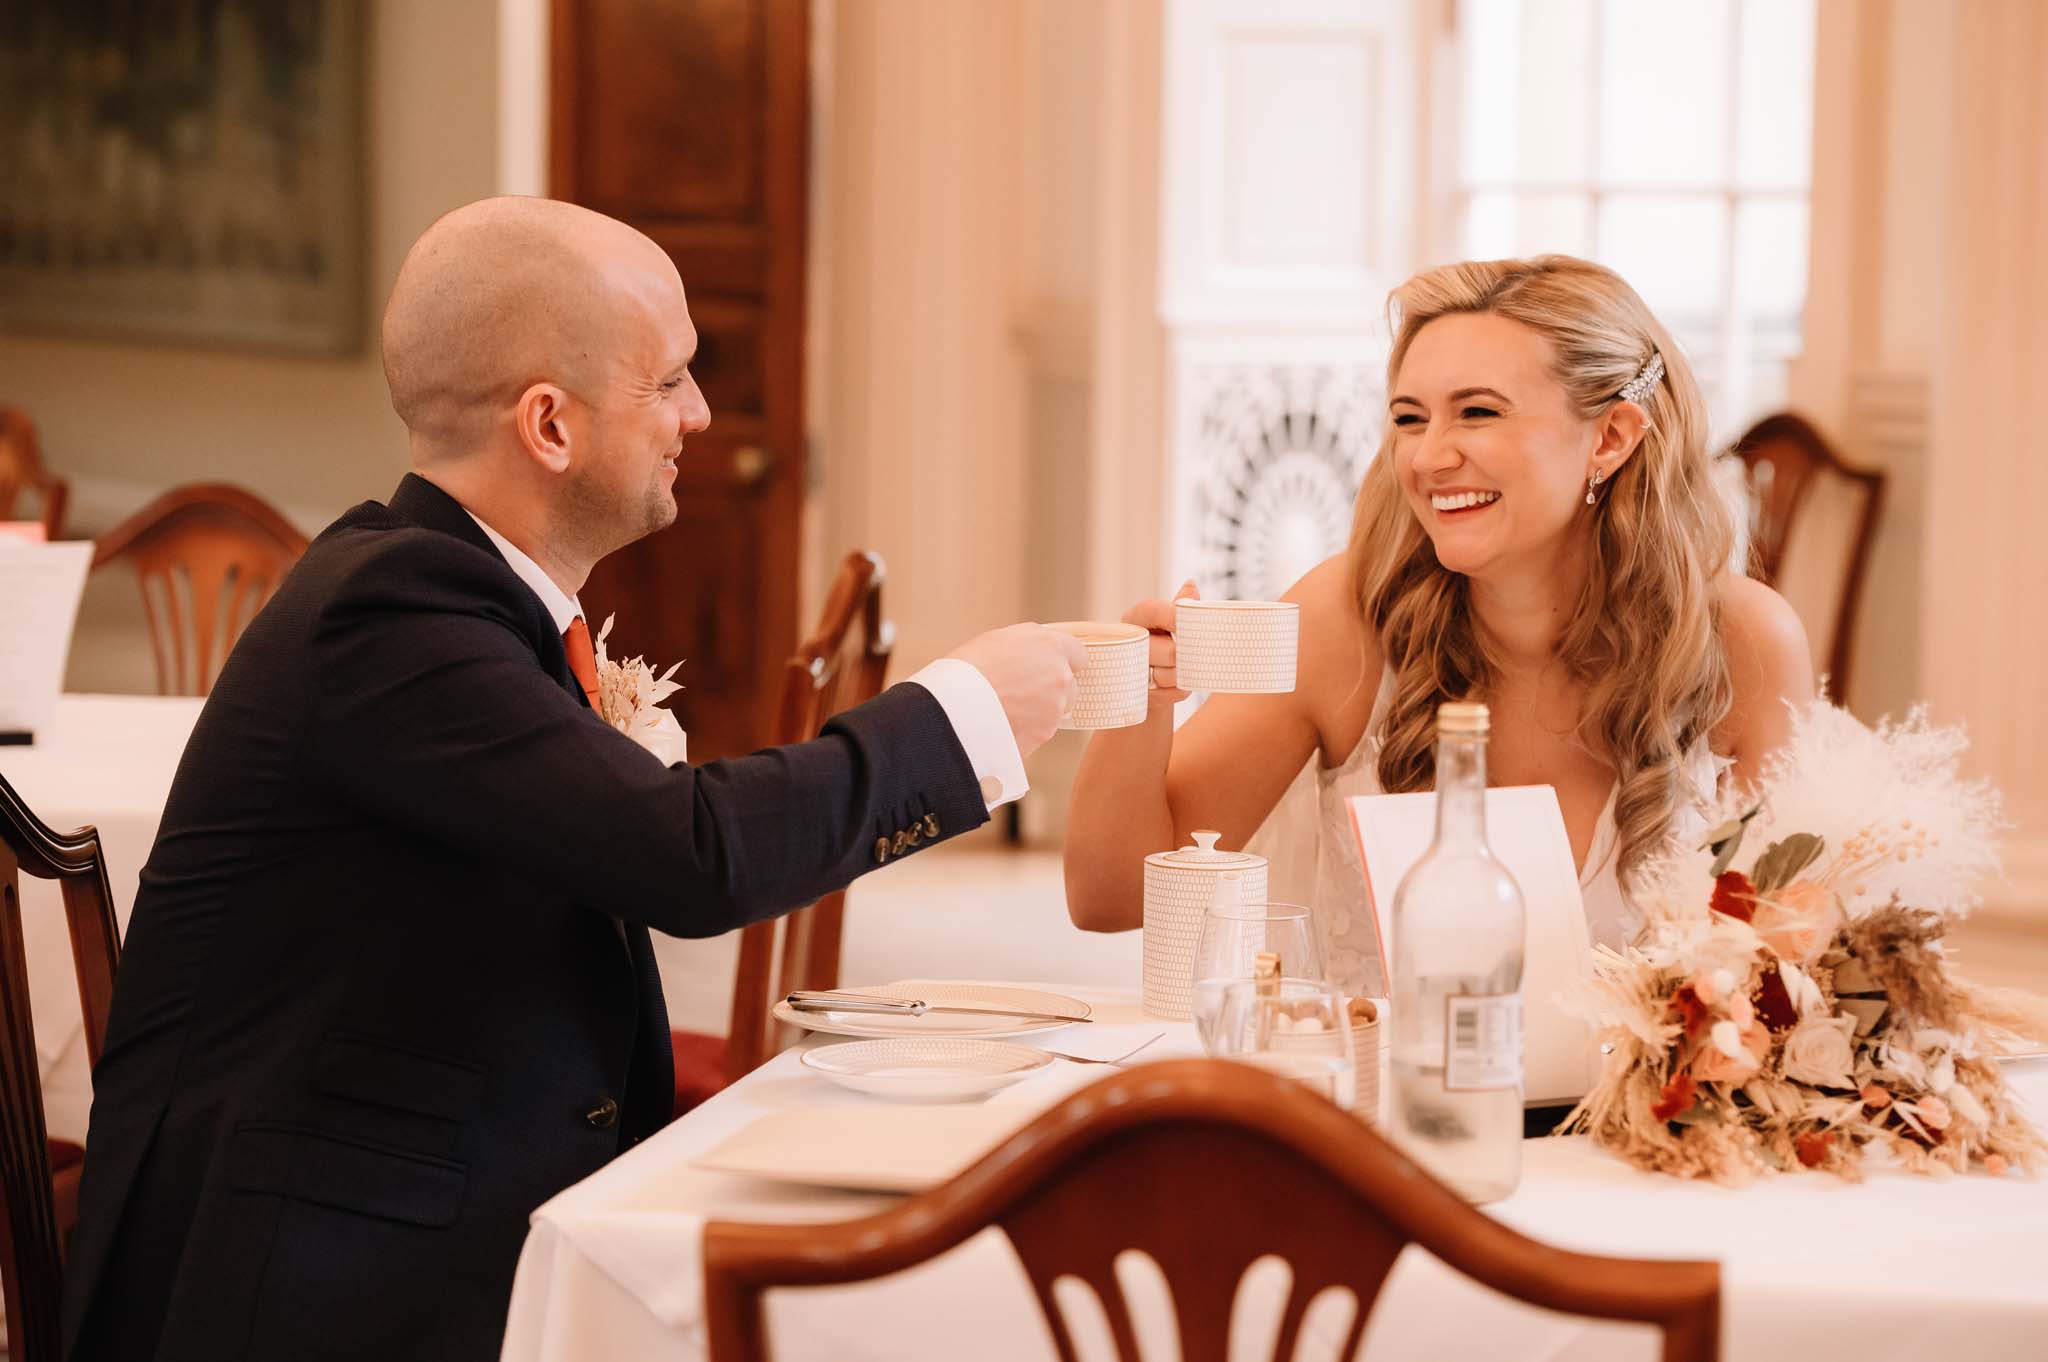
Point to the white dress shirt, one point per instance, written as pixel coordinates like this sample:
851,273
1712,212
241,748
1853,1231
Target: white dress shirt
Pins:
970,702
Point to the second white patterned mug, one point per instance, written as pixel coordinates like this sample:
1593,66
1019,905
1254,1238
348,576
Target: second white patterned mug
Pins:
1236,646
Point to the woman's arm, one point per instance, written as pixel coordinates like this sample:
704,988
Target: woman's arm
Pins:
1770,667
1145,789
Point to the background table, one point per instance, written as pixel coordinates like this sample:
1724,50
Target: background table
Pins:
107,760
1812,1267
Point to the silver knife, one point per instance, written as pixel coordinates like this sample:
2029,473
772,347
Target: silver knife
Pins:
827,1001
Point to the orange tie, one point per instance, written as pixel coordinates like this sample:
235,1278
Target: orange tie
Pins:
582,659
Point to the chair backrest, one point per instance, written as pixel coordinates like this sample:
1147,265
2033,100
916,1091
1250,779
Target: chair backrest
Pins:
21,469
207,557
31,1239
1814,518
1206,1166
842,664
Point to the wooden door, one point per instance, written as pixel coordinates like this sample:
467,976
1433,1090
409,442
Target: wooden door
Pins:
687,119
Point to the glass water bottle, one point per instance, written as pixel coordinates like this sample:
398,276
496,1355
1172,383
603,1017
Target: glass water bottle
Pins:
1456,1061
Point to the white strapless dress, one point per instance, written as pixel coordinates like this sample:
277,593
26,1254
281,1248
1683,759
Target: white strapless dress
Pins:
1313,855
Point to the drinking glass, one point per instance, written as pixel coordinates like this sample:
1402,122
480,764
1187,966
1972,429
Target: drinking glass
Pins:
1299,1030
1233,936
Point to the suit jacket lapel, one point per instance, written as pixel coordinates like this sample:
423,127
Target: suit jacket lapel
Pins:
427,506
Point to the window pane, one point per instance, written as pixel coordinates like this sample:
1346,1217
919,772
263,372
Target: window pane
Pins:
1490,39
1526,82
1672,248
1664,93
1770,260
1502,224
1553,116
1776,142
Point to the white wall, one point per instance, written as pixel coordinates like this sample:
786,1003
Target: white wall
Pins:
1925,341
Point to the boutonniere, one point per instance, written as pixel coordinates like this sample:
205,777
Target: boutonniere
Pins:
629,698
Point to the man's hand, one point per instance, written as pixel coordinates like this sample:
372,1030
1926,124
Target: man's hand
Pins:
1032,670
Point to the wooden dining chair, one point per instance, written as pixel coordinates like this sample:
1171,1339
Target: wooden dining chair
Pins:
842,664
1206,1166
1815,516
38,1176
207,557
21,470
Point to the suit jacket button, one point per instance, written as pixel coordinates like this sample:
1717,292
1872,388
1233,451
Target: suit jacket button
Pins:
881,850
604,1115
931,825
902,841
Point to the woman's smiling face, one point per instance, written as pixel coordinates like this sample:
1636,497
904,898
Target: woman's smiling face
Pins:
1488,448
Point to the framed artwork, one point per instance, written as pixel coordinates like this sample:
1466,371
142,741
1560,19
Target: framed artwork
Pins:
183,170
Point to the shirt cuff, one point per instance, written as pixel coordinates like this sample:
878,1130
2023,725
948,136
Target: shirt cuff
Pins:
981,726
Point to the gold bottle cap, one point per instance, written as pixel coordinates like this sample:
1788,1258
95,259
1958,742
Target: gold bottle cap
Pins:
1463,718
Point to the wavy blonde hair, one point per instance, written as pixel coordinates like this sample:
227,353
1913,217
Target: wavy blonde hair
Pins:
1644,635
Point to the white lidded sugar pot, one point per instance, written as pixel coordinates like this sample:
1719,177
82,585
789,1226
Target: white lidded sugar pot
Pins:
1179,887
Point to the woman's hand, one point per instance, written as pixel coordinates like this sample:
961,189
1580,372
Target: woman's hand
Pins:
1157,616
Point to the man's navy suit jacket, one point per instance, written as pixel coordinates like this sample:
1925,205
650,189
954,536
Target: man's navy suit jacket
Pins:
388,985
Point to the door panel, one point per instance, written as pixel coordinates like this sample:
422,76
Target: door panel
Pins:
687,118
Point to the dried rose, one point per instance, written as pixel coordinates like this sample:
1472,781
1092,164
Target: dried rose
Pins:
1734,896
1774,1003
1676,1097
1691,1009
1732,1054
1799,921
1813,1147
1874,1097
1822,1051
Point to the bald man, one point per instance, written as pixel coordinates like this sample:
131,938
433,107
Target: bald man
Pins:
388,984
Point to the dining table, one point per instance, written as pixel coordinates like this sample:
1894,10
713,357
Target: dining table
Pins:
1895,1266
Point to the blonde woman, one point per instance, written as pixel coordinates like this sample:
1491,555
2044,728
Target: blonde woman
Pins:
1539,531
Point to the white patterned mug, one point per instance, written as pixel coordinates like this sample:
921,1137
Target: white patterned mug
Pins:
1246,647
1116,680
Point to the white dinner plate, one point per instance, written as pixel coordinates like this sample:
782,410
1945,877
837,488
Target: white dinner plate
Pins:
925,1068
881,1026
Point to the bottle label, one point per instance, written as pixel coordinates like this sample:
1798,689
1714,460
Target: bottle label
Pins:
1482,1041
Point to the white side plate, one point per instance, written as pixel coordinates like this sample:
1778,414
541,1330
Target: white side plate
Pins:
925,1068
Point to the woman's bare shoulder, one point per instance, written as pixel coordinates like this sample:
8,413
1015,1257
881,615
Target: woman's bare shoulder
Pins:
1339,660
1759,628
1769,664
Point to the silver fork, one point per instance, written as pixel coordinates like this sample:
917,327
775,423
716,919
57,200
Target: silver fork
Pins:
1084,1059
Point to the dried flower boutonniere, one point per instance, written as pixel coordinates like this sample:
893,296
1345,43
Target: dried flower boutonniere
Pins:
629,698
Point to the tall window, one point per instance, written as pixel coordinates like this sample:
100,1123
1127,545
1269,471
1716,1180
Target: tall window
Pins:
1668,139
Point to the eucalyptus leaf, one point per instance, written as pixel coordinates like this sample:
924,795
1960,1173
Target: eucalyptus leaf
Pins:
1726,840
1782,861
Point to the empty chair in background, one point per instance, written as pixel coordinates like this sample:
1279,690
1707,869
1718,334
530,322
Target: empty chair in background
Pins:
207,556
21,470
1814,517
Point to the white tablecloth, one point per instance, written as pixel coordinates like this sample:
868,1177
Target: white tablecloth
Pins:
108,760
1895,1268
